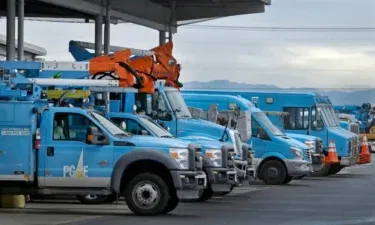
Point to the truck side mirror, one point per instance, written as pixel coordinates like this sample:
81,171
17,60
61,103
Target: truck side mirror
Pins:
95,137
262,134
144,132
154,115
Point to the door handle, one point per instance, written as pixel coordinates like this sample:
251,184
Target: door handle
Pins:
50,151
103,163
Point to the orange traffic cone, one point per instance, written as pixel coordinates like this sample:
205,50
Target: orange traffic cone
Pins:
364,156
331,157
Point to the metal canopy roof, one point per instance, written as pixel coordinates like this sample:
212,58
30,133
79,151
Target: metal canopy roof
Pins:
156,14
30,51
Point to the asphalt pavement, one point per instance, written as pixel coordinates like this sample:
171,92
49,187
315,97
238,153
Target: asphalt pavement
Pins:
347,198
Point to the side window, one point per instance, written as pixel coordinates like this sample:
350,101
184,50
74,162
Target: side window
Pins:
258,131
316,119
254,127
297,118
134,127
162,108
70,127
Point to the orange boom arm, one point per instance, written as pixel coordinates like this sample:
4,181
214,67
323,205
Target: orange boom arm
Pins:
118,67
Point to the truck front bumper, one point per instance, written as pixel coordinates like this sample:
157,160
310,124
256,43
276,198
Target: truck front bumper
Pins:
189,183
372,146
297,168
348,161
221,179
316,158
242,167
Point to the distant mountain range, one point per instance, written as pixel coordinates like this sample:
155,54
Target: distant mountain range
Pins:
339,97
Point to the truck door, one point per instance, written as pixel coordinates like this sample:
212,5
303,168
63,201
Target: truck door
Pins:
258,144
317,125
165,115
71,162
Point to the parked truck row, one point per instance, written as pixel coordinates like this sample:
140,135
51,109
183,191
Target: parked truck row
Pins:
117,125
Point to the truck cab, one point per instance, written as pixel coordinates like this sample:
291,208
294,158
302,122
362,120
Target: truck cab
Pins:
270,144
311,114
75,151
217,157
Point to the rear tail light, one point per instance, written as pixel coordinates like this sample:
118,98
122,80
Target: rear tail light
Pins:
37,139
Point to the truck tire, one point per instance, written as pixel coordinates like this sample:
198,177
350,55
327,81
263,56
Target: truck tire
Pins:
205,194
288,179
96,199
323,171
147,194
335,168
172,203
273,172
227,192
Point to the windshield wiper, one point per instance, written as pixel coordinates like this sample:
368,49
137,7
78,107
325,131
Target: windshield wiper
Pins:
122,135
184,116
166,136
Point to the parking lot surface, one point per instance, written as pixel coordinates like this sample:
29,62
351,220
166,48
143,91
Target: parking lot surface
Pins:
344,199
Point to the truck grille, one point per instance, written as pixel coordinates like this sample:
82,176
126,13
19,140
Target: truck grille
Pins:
354,146
198,164
318,146
308,154
354,128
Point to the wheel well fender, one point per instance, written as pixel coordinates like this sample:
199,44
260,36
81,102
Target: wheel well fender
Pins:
138,161
269,158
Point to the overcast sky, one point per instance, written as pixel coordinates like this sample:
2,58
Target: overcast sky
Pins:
285,59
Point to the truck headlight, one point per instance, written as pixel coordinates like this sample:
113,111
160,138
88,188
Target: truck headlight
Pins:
181,156
311,144
297,152
215,156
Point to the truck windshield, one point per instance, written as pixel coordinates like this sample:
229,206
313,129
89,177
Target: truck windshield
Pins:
264,120
178,104
155,128
328,115
108,125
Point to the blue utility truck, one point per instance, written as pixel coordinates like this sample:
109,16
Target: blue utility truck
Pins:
73,151
309,114
279,158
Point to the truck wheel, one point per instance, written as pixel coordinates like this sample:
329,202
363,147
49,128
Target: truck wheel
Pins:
321,170
335,168
227,192
94,199
273,172
147,194
205,194
172,203
288,179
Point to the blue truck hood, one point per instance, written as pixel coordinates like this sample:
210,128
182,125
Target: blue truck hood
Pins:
293,143
148,141
341,137
207,143
301,137
192,127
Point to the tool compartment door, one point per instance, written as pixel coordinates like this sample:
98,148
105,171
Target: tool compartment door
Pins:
16,151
